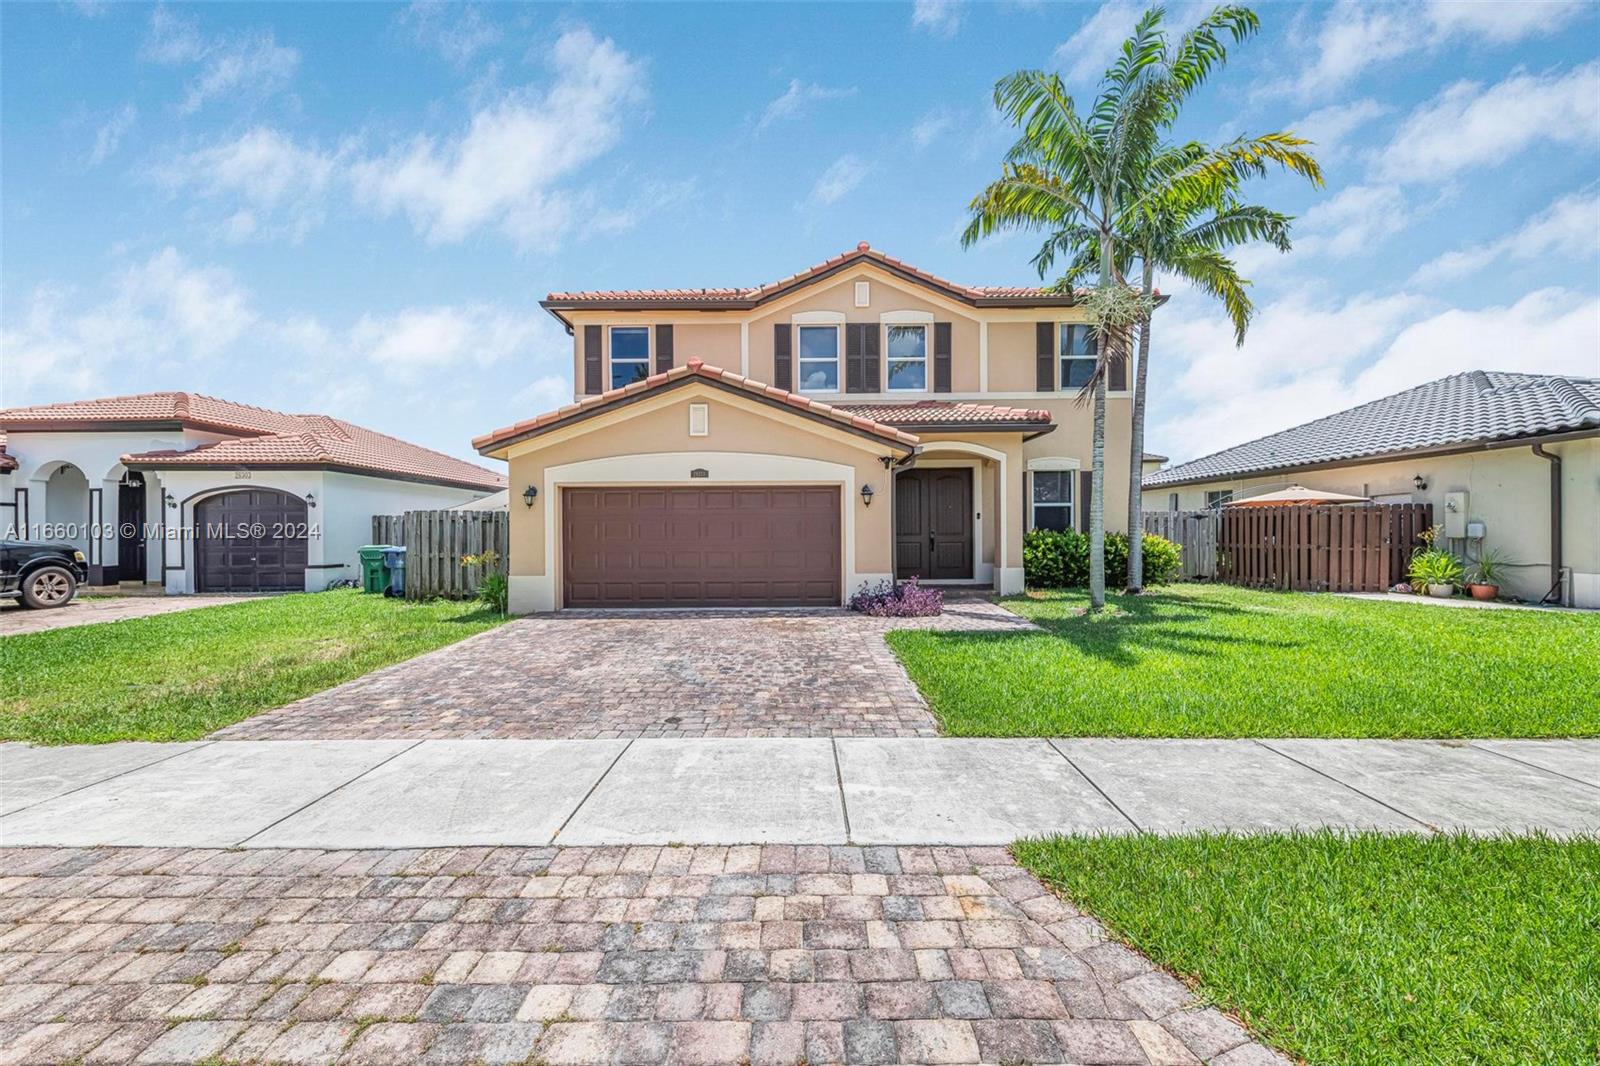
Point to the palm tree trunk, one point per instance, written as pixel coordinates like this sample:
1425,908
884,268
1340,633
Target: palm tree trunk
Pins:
1136,445
1097,476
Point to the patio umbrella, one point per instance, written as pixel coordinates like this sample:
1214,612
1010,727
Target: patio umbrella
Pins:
1296,494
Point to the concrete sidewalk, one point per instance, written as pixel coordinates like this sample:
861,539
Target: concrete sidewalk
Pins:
437,793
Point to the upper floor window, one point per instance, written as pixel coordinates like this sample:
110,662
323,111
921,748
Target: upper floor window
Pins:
819,358
1052,499
630,355
908,358
1078,354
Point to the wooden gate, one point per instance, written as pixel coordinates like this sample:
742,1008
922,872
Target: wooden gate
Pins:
1320,549
1193,531
435,541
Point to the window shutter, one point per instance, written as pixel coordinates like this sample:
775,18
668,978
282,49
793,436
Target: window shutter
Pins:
941,357
783,356
1045,356
1117,374
871,366
663,349
1085,494
855,370
591,360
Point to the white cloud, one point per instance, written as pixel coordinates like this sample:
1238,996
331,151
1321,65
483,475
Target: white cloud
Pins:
108,136
456,32
1355,36
430,339
507,167
1353,221
1569,228
932,126
1085,55
162,309
797,99
939,17
1503,22
1467,125
1329,128
839,179
252,63
264,169
1305,358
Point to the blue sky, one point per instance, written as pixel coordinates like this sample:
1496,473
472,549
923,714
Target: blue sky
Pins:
353,209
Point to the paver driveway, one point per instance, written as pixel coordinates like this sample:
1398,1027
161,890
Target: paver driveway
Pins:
759,955
87,610
654,674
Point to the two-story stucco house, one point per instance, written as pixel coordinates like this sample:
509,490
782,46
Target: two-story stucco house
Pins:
788,443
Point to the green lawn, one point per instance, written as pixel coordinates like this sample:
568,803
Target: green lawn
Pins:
1216,661
179,676
1363,949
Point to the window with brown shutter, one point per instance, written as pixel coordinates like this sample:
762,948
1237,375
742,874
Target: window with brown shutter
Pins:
663,349
941,357
855,371
591,360
1044,356
783,356
1085,498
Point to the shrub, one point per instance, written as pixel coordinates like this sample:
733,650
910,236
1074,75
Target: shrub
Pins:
905,600
1053,559
1435,566
493,587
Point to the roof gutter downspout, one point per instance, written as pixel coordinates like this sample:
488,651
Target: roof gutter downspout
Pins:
1554,460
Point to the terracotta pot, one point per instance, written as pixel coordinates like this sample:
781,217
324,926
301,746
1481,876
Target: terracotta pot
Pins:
1443,592
1484,592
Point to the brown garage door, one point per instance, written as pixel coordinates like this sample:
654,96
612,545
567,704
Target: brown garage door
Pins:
710,547
251,541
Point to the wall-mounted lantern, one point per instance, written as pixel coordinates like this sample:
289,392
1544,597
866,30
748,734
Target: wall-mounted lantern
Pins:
1422,486
311,500
529,494
866,495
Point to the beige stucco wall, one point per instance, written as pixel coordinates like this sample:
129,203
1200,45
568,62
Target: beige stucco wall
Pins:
747,443
743,341
1509,491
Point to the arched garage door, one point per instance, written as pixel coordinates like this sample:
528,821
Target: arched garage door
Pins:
253,540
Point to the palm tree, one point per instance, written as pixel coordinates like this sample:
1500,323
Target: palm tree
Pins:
1088,181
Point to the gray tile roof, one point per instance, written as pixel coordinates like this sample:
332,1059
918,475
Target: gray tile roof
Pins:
1462,409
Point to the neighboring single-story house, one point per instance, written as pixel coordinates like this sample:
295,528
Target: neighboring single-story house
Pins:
791,442
1513,457
205,495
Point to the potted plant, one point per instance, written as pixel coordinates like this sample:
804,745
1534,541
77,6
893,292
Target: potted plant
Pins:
1485,583
1436,570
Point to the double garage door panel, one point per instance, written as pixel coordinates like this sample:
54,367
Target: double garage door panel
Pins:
701,547
251,541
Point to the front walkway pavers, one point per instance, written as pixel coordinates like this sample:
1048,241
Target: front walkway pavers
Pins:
760,955
600,675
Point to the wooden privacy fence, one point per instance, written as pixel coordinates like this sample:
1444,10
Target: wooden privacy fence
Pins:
1320,549
435,541
1193,531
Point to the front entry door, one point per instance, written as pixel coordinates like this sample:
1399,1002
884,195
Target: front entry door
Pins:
130,528
933,524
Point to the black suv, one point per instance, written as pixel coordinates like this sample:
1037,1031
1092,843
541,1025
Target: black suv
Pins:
42,574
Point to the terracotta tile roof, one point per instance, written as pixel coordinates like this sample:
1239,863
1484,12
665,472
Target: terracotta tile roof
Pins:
261,437
749,297
1464,409
696,368
946,413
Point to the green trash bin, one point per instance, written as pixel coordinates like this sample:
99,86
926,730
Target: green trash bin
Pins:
374,574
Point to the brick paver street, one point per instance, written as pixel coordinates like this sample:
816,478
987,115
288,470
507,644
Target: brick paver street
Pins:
87,610
578,955
588,675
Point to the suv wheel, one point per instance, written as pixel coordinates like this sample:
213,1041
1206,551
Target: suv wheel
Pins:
48,586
